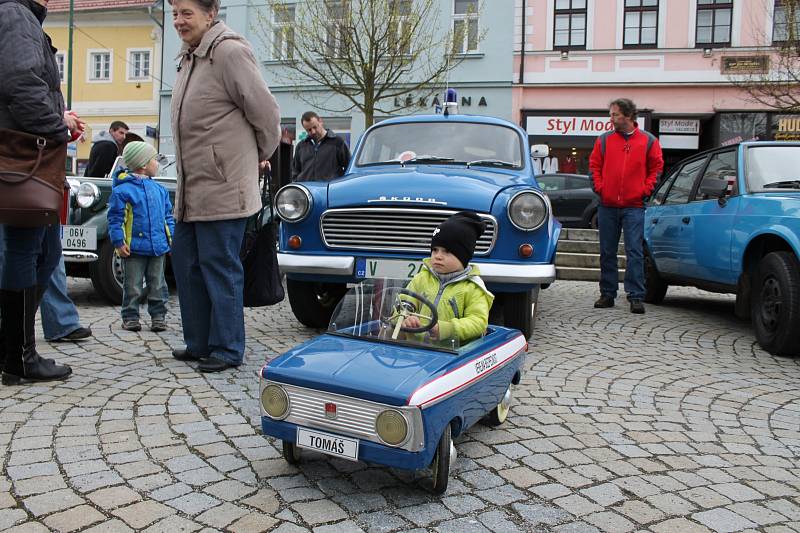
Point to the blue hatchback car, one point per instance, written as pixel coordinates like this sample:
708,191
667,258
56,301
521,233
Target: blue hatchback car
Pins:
728,220
406,176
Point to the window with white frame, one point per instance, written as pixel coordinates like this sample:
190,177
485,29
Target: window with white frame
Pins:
465,26
283,32
336,36
60,61
100,66
138,65
714,22
400,25
641,23
570,24
786,21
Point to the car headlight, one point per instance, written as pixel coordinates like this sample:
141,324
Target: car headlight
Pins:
392,427
527,210
293,203
275,401
88,194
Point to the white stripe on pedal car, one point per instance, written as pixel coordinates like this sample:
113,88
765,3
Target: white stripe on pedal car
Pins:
467,373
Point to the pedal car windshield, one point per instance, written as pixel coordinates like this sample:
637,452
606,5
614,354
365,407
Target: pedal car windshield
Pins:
383,310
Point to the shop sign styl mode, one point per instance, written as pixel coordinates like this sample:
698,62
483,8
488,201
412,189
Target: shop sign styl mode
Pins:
568,125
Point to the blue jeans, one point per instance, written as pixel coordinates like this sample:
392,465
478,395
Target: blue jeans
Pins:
29,255
210,279
59,314
631,221
135,270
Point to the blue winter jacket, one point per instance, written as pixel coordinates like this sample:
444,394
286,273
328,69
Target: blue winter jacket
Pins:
140,214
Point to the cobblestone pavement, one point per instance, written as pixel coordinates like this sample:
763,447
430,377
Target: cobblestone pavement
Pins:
670,421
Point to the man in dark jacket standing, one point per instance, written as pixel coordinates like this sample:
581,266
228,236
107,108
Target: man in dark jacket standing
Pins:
106,146
322,156
30,102
625,166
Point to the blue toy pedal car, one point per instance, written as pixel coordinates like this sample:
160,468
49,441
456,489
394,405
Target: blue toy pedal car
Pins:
371,389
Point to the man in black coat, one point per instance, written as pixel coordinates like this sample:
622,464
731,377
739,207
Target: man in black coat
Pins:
105,149
30,102
322,155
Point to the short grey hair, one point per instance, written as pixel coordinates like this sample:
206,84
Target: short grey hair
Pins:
626,107
209,6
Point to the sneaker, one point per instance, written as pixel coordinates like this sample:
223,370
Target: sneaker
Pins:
637,307
158,324
76,335
131,325
604,301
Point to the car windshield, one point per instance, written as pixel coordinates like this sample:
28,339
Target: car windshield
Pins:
773,167
487,145
378,310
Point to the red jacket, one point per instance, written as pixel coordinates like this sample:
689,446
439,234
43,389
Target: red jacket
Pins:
624,171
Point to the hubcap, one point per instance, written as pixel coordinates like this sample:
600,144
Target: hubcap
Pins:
116,269
504,406
771,303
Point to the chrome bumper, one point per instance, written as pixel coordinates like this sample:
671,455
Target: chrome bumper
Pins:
74,256
344,265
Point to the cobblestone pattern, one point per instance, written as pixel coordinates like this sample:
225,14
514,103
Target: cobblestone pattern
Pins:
670,421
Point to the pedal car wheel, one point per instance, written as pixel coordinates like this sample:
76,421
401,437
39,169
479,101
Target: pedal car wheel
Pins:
291,453
775,303
440,467
499,414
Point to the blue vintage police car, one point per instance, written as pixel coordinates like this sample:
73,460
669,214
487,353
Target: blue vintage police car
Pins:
371,389
728,220
406,176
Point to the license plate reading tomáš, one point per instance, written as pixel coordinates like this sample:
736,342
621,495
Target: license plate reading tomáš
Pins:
327,443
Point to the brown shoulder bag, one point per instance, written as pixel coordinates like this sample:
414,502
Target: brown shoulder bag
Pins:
32,179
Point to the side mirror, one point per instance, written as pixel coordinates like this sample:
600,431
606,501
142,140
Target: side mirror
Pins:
714,187
540,150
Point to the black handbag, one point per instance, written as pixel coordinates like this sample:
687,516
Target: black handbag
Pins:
32,179
259,254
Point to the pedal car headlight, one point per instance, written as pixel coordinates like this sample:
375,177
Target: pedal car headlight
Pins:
87,194
392,427
293,203
275,401
527,210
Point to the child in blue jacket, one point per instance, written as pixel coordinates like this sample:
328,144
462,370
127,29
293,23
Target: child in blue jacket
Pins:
140,226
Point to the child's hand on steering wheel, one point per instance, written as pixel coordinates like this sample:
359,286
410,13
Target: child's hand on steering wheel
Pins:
411,322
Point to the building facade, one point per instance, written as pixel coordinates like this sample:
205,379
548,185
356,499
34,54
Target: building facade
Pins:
116,55
675,59
482,78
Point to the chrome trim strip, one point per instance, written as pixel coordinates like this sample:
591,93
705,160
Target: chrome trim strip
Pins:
71,256
317,264
524,274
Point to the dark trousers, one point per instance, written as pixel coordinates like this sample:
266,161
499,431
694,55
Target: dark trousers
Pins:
629,220
30,255
210,280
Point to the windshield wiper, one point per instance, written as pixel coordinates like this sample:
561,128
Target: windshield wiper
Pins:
491,163
786,184
387,162
428,159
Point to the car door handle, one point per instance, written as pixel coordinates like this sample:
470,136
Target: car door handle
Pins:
685,220
654,221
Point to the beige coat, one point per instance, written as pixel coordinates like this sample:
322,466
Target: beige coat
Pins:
224,121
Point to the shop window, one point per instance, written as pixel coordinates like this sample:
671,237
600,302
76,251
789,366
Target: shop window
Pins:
339,125
737,127
641,23
721,166
283,32
288,130
465,26
786,21
570,24
684,182
713,23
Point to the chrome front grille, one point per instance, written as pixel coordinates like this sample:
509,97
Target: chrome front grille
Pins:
393,229
354,417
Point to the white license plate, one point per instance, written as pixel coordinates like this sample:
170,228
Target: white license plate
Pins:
78,238
392,268
327,443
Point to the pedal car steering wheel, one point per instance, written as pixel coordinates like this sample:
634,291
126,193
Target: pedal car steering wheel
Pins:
404,309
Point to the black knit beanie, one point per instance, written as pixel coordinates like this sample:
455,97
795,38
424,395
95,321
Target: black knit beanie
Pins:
458,235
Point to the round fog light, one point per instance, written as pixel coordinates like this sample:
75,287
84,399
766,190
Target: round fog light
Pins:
391,427
525,250
275,401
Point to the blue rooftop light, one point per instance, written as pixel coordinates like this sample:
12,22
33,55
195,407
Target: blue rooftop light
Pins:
450,102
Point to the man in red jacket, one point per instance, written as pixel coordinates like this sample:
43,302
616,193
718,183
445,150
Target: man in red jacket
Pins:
625,166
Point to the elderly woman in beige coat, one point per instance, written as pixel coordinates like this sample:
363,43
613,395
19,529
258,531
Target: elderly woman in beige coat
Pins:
225,125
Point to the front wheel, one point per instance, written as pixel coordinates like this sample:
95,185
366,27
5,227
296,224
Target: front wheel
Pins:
313,303
520,309
775,303
106,274
440,467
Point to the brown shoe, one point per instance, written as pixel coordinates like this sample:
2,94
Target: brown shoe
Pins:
604,301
